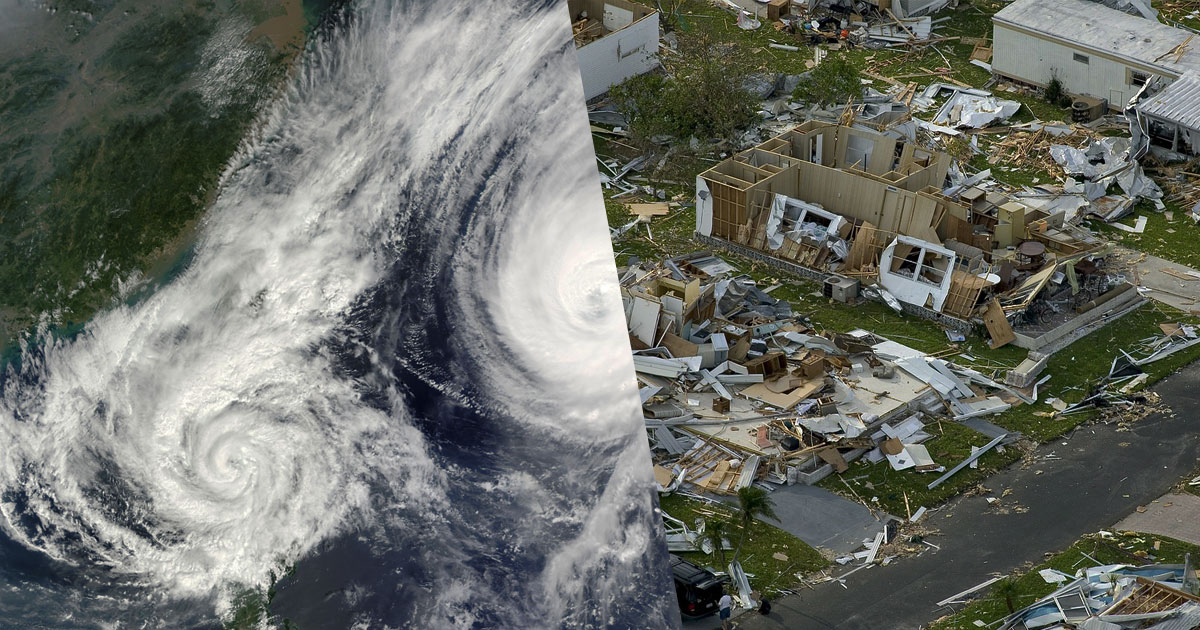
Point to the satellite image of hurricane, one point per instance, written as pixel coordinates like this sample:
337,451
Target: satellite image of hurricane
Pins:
385,381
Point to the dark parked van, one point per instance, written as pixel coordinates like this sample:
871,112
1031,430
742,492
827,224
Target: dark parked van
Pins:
698,589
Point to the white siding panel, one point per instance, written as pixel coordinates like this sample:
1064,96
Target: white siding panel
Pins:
1034,60
626,53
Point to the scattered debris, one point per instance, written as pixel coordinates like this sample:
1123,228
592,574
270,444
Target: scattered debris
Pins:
1019,264
1113,597
738,390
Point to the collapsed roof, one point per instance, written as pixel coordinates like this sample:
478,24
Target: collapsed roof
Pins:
826,199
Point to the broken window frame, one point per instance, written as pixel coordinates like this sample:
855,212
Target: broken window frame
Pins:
924,268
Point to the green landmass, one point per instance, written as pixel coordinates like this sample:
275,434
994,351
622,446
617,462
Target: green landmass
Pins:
119,123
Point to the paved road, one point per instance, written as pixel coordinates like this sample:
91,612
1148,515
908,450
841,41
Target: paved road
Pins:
1102,476
822,518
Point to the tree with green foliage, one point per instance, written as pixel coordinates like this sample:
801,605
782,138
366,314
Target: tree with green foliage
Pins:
752,503
715,530
700,93
1009,591
834,82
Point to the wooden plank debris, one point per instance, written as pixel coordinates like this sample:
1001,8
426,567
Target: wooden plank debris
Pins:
997,325
648,210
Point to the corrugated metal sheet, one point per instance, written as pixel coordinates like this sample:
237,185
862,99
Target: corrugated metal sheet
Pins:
1178,102
1188,618
1095,26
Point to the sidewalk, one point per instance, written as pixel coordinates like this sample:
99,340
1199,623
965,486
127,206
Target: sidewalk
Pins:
1173,515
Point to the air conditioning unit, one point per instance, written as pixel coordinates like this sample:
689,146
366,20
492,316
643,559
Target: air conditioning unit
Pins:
841,289
1085,110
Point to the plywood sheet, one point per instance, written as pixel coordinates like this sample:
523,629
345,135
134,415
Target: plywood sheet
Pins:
997,326
832,456
649,209
759,391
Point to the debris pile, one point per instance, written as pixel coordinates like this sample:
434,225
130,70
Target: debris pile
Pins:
867,213
737,389
1117,396
1103,163
1115,597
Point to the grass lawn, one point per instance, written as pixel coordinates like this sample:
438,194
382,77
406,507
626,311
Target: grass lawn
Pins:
1173,239
1077,367
1122,548
770,574
888,489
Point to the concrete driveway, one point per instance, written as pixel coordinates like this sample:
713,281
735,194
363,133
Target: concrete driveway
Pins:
1173,515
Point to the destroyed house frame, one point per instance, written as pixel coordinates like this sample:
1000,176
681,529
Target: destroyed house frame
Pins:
886,189
897,188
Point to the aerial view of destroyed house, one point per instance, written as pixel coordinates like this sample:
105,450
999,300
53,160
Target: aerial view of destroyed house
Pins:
912,295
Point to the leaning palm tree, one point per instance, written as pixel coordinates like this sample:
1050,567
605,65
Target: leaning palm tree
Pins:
1008,590
752,502
715,529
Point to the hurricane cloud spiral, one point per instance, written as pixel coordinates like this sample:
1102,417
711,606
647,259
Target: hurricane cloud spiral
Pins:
394,364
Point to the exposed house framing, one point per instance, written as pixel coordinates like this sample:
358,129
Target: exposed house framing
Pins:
824,198
863,176
1149,596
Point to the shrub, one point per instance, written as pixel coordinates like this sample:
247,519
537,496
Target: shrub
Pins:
834,82
1056,94
700,94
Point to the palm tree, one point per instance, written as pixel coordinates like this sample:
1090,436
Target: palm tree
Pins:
752,502
1008,589
715,529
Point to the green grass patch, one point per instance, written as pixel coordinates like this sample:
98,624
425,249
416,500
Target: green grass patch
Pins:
763,541
1177,12
1186,486
1172,238
1123,548
1076,368
902,492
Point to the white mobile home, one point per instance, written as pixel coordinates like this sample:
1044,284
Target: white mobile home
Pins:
1093,50
615,40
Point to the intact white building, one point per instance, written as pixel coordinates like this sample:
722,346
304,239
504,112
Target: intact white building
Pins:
1093,50
615,40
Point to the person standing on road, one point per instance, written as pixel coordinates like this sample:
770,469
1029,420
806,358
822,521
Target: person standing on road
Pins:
725,610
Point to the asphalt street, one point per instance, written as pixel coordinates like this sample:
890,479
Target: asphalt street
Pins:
1099,476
